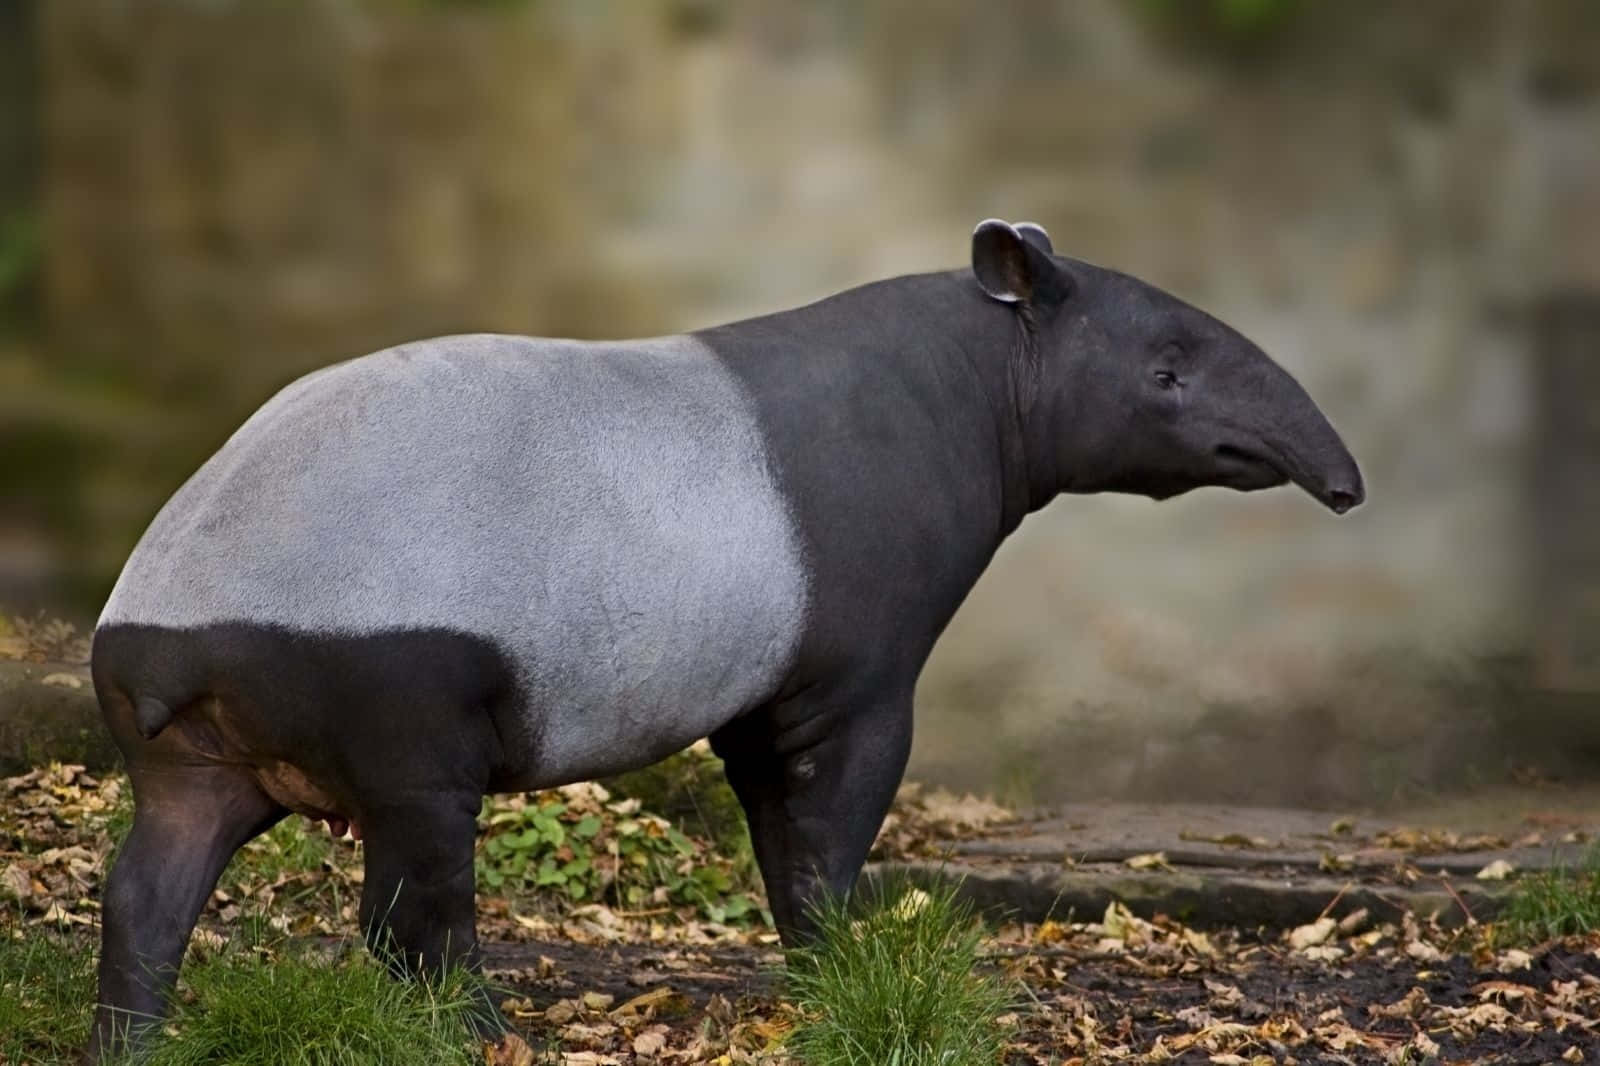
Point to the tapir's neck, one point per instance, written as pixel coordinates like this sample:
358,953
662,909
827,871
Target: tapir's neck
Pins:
893,414
939,336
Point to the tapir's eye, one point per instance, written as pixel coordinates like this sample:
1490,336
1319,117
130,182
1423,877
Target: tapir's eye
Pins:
1166,379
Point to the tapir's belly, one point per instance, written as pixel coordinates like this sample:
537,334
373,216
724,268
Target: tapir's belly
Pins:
605,514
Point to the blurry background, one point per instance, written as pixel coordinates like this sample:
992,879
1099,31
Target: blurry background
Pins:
202,199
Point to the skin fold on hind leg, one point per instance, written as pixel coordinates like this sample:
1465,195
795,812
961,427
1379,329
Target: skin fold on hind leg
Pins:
188,822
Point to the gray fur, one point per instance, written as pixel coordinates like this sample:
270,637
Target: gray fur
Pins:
605,513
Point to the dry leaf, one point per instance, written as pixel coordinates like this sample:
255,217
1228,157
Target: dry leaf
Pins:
15,881
658,996
1050,932
1498,870
1308,936
1353,922
1420,1048
1411,1005
1512,959
651,1041
911,904
512,1050
1153,860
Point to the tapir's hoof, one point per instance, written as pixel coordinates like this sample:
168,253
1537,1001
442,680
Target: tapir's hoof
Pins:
512,1050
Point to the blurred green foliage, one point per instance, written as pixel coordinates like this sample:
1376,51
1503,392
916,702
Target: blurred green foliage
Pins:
21,258
1236,28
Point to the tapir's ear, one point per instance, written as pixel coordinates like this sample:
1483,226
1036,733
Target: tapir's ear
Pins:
1010,264
1035,235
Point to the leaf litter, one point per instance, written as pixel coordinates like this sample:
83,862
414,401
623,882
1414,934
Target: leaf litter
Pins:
592,983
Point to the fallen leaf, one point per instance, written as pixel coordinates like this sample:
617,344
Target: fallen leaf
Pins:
589,1035
657,997
1121,924
1420,1048
561,1012
1353,922
1411,1005
512,1050
62,680
1498,870
651,1041
1500,990
1317,932
1512,959
911,904
1050,932
1150,860
1222,994
519,1007
15,881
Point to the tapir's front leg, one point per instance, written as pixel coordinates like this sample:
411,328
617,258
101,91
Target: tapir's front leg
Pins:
816,775
188,821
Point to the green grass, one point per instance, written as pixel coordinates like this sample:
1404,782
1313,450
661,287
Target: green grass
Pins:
293,846
259,1001
1557,902
46,994
894,981
255,1007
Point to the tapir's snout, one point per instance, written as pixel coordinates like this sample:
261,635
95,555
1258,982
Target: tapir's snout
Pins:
1340,500
1315,458
1280,435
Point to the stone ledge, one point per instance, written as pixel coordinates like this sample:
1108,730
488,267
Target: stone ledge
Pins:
1204,898
48,713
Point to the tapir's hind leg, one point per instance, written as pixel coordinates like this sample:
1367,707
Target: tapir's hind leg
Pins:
815,776
188,821
417,899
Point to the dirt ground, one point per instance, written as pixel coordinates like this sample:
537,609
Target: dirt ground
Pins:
596,984
1083,1000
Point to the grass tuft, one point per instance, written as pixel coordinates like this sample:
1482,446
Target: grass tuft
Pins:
894,979
291,1006
256,1002
1557,902
46,995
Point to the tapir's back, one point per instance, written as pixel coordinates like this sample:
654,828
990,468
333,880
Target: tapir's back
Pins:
605,514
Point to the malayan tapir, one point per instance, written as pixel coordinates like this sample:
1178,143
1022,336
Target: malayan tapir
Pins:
488,563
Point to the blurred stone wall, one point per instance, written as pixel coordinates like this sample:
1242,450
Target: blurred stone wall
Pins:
242,189
1565,478
19,132
1381,195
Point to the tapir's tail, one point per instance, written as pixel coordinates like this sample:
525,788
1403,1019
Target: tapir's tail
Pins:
150,716
140,667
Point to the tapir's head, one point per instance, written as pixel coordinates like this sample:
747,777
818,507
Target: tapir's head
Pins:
1136,391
